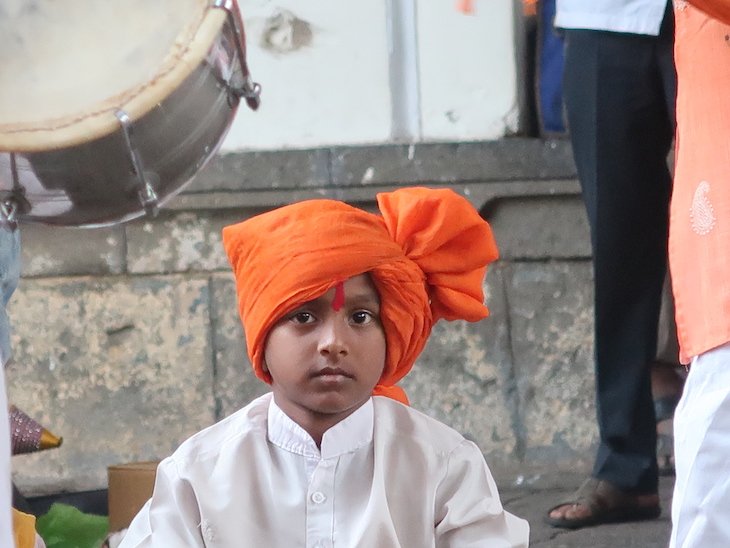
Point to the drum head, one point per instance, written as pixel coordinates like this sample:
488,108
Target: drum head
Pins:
68,65
108,108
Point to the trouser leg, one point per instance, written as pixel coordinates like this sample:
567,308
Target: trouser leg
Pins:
621,130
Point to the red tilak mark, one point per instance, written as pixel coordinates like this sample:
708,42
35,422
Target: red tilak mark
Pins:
339,299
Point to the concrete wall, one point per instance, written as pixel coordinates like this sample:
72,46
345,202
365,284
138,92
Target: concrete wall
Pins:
127,338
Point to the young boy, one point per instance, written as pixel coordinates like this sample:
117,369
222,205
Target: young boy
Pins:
337,303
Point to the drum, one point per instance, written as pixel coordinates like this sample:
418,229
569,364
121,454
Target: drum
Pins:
108,108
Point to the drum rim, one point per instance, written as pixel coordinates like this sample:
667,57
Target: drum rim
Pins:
80,128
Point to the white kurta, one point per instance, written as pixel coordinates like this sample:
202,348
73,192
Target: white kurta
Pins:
6,526
386,476
701,447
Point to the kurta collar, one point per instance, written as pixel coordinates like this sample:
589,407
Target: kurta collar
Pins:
345,436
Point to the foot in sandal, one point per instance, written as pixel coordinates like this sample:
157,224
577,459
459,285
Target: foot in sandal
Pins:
597,502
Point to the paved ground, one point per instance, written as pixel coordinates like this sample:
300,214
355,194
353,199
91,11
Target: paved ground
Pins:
532,502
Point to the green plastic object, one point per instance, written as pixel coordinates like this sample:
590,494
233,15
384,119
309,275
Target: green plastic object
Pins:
65,526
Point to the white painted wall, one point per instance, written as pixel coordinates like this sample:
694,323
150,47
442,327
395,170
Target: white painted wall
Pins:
467,69
377,71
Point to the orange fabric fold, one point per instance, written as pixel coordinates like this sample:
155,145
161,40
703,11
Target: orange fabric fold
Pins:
427,255
719,9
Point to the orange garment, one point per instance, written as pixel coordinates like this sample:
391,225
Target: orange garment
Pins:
465,6
23,529
699,242
719,9
529,7
427,255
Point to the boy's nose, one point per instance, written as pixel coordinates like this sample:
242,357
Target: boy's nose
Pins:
332,342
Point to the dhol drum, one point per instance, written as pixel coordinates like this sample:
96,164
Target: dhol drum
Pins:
108,108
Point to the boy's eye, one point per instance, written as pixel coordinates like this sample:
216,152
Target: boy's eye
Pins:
302,317
362,317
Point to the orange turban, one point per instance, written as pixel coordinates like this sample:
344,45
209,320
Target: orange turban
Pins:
427,255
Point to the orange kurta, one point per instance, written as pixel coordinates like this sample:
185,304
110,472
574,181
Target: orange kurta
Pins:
699,243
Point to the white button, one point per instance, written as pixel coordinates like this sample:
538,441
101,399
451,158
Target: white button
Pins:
318,497
320,544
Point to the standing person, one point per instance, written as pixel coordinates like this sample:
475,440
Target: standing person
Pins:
699,252
16,529
9,274
619,87
337,304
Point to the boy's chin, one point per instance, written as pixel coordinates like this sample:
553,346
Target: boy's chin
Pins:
336,405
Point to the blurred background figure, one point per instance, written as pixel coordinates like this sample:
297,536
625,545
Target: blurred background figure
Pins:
619,87
9,274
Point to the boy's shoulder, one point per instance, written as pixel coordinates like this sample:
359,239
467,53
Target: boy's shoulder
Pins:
248,422
408,425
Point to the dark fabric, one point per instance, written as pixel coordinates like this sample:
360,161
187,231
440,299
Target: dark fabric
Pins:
620,93
550,72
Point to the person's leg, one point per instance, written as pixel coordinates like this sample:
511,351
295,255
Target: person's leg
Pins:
622,137
621,133
666,381
702,445
9,273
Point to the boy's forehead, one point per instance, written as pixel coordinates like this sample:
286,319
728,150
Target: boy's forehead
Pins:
358,287
339,299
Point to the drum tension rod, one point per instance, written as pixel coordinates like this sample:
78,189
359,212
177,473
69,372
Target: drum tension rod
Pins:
146,193
249,90
14,202
8,211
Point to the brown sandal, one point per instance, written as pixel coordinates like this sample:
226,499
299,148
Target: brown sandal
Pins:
607,503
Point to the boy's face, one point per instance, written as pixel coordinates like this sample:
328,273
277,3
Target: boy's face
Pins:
327,355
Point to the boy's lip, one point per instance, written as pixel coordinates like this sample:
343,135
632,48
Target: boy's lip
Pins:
332,372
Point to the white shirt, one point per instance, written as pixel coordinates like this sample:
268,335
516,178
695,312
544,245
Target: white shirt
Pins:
6,527
386,476
633,16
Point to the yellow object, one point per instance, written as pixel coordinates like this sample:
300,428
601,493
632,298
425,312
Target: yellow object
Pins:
49,440
23,529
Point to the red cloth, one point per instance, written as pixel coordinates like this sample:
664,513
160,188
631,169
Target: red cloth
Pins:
427,255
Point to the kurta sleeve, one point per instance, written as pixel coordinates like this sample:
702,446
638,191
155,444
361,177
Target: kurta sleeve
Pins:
170,518
468,510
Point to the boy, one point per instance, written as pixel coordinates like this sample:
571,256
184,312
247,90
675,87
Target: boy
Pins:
337,303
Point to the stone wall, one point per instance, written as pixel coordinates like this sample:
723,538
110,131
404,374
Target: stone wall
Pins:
127,338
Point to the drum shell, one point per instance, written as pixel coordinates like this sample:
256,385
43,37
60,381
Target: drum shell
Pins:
95,184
